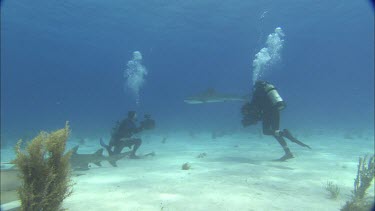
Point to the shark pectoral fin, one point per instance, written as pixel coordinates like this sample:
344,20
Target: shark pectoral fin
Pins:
113,163
150,154
98,164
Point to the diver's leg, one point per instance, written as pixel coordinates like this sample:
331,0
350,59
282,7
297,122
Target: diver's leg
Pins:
275,122
267,124
270,126
286,133
288,153
119,146
136,143
275,125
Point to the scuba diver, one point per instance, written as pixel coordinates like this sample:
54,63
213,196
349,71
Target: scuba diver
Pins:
265,106
122,135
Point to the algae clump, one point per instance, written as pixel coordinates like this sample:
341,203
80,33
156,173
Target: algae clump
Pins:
44,171
333,189
365,176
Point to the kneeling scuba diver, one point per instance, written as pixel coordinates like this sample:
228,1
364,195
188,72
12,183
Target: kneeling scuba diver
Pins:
265,106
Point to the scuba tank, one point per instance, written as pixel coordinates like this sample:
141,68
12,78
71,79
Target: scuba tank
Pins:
274,96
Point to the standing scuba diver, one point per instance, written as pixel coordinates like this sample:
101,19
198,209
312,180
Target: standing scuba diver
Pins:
265,106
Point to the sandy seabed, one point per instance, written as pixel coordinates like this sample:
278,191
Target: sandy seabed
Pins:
237,173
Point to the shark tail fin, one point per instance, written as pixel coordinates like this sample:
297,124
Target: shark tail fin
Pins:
110,153
103,144
75,149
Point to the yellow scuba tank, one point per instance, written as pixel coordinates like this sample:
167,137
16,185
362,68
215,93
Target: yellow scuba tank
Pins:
274,96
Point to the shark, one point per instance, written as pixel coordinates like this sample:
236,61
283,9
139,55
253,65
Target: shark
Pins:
211,96
81,161
122,154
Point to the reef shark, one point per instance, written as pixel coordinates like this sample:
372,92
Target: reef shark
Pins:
211,96
81,161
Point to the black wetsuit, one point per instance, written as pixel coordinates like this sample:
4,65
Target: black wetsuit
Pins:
269,114
262,109
121,136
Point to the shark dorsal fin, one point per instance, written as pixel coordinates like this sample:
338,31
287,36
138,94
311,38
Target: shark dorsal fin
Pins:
210,91
99,152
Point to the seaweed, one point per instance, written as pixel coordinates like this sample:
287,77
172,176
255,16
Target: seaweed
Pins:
333,189
186,166
365,175
44,171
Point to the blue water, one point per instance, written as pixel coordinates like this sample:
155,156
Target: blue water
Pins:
64,61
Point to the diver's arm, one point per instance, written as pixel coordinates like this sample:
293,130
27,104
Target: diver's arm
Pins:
138,129
252,111
134,129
